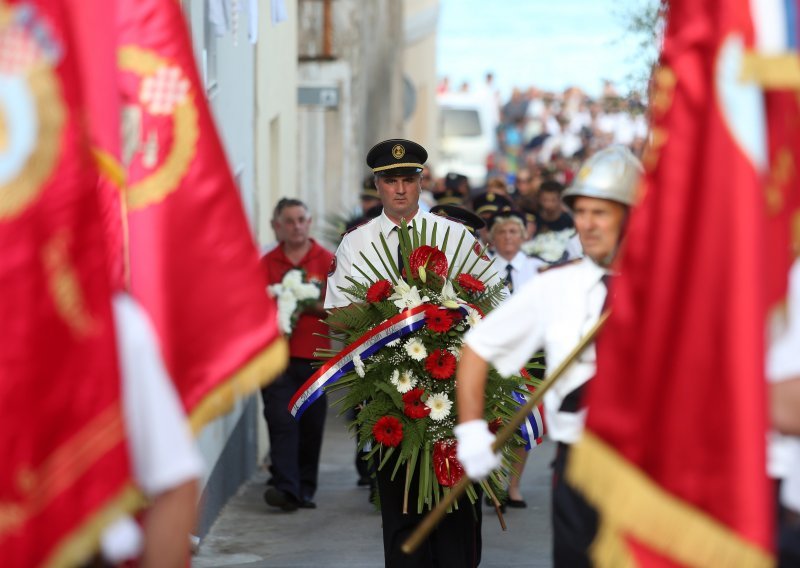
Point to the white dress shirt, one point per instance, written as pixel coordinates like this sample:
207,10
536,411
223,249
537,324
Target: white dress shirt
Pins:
523,268
552,312
361,240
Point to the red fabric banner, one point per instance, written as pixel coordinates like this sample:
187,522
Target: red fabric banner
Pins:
95,50
65,463
193,263
674,451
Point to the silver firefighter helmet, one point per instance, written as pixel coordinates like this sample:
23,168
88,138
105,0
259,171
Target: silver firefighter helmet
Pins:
612,173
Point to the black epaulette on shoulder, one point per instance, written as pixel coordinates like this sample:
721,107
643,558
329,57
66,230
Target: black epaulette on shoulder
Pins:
559,264
357,225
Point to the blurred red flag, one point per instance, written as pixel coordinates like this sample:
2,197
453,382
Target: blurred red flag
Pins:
674,451
65,463
193,263
95,51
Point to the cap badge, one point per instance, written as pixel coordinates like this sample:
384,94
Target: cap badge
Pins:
490,197
398,151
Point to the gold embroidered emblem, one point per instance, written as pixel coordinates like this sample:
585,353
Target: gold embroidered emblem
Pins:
164,94
32,112
398,151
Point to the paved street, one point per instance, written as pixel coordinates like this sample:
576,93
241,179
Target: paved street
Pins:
345,530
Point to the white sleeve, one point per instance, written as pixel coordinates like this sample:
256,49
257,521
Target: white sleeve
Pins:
783,357
512,333
334,297
790,488
163,452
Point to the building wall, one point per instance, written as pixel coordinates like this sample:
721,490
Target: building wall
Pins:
421,19
365,67
251,89
276,115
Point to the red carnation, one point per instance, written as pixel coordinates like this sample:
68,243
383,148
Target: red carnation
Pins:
495,425
471,284
429,257
440,320
379,291
448,469
388,431
441,364
415,408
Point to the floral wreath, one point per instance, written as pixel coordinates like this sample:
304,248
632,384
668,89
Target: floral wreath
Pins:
405,388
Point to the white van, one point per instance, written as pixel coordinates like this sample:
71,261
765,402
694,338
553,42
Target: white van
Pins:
467,138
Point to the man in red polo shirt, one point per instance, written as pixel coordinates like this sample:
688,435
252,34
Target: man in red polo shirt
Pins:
295,444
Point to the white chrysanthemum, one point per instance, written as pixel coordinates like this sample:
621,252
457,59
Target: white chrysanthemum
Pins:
416,350
407,297
404,381
440,406
292,280
473,316
358,365
394,343
307,291
286,307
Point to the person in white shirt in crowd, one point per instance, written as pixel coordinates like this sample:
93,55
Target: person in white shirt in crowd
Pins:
552,312
397,165
507,233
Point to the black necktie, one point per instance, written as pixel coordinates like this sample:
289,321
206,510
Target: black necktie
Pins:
399,253
574,400
509,281
606,279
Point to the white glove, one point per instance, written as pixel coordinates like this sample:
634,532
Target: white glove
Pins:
474,449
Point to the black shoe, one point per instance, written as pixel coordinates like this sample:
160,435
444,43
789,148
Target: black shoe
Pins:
307,504
516,503
277,498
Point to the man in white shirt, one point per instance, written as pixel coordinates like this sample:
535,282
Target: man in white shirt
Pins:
507,232
166,463
396,165
553,312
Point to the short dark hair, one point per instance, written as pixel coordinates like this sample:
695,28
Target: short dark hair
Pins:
551,186
287,202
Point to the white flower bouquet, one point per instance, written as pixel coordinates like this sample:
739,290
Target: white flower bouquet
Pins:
294,294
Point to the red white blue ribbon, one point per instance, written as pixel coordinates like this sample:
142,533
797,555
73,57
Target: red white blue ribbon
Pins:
404,323
532,429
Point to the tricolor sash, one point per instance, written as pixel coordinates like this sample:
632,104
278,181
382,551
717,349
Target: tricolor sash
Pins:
404,323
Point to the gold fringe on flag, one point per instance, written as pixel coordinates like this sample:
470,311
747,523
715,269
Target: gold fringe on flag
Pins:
631,504
256,373
83,543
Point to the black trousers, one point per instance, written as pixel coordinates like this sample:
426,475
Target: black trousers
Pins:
455,543
294,445
574,520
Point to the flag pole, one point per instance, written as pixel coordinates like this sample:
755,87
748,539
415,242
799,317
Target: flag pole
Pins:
435,516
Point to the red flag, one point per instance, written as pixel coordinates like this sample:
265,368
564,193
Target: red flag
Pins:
674,451
193,263
95,50
65,464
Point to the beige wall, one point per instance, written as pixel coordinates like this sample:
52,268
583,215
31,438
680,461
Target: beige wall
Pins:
421,19
275,115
